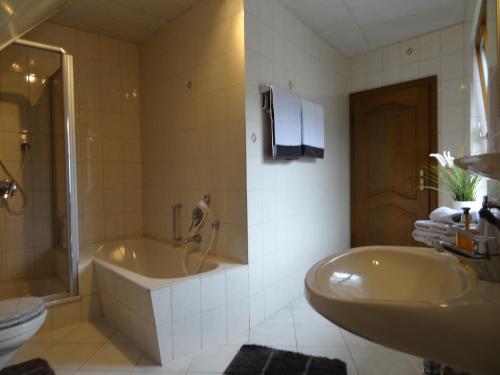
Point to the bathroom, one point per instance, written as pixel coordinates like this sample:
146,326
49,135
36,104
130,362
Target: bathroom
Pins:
132,135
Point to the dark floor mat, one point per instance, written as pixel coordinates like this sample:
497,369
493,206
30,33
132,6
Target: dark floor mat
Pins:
36,366
260,360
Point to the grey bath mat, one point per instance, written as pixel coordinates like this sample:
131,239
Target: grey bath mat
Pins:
259,360
36,366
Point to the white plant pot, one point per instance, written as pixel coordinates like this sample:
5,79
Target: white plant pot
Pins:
473,205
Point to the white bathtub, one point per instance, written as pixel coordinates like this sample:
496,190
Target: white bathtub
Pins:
143,290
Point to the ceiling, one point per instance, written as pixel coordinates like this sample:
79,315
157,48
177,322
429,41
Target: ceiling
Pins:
130,20
352,26
356,26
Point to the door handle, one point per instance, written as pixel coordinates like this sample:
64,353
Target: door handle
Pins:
421,180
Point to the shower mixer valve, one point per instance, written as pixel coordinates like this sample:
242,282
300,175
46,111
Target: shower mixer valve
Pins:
7,189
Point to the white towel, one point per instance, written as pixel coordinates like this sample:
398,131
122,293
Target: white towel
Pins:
285,111
313,129
429,238
432,226
448,215
425,240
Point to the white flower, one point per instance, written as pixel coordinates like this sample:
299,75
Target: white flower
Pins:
446,160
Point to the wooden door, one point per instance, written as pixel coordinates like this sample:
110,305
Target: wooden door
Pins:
393,130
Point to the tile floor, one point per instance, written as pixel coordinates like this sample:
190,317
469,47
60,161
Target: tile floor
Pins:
98,349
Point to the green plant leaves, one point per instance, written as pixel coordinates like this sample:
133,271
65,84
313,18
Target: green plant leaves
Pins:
461,184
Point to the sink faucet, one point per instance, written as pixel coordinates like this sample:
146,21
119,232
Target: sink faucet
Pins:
196,238
485,259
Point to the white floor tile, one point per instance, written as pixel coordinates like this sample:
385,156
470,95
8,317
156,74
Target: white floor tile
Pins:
70,356
317,335
238,339
417,364
275,336
380,361
29,351
177,366
309,317
282,317
120,338
114,357
86,372
214,360
56,335
88,333
354,341
301,304
337,352
97,348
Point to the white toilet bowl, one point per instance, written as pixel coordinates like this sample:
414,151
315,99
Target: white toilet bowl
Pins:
20,319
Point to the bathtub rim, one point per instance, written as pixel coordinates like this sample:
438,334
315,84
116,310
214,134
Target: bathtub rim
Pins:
87,258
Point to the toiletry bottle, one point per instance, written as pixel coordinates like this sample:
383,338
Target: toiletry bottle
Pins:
461,240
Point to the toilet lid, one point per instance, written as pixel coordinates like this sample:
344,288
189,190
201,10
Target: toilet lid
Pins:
19,310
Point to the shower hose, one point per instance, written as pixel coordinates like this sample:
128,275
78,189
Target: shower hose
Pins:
190,251
24,197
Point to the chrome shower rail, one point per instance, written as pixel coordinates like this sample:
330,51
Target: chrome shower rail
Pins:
70,153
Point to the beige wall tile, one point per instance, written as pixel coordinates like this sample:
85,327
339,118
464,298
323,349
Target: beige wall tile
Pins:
193,138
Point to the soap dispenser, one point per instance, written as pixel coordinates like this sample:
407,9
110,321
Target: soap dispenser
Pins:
466,218
461,239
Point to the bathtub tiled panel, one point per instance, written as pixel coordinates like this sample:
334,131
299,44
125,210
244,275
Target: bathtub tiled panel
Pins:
130,308
173,321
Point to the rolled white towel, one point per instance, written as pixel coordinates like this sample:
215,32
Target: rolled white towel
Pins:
425,240
448,215
429,238
432,226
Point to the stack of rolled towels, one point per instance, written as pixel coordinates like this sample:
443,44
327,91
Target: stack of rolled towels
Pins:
443,225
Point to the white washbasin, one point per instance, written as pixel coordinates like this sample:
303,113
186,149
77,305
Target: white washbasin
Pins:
415,300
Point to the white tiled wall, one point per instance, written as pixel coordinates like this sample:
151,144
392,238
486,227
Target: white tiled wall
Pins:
440,53
298,211
192,101
443,53
108,131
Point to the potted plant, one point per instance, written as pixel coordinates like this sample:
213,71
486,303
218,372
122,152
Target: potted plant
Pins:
460,184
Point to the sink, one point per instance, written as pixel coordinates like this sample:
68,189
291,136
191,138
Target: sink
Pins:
416,300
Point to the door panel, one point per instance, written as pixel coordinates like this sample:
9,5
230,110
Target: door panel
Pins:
393,130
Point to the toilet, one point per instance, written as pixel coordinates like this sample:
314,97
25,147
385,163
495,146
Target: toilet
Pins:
20,319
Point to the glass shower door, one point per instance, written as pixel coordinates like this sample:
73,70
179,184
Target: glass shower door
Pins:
36,253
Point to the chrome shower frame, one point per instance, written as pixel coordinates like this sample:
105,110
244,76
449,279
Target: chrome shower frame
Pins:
70,153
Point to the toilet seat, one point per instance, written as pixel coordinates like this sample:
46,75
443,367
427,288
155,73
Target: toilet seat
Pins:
16,311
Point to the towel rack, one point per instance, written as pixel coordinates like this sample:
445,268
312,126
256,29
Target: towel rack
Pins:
264,87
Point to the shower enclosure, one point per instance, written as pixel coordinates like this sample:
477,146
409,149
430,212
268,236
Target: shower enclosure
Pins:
39,244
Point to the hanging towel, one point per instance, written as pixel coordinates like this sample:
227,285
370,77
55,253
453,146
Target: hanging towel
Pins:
284,110
313,129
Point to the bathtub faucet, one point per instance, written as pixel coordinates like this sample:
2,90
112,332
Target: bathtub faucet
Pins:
176,240
196,238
